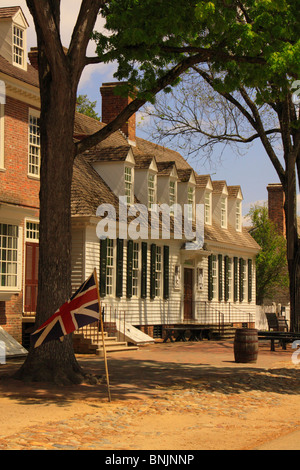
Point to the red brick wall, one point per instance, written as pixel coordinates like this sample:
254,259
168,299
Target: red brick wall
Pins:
112,105
15,185
16,188
276,201
11,316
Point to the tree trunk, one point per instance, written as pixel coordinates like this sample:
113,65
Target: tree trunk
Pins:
292,237
54,361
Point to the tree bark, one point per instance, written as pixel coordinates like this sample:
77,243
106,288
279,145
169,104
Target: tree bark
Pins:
54,361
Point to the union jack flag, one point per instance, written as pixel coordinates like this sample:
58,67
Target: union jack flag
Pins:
80,310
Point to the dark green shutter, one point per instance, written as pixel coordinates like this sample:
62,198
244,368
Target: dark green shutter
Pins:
129,268
235,279
249,280
210,282
144,270
241,263
226,278
220,268
119,273
166,272
103,261
152,270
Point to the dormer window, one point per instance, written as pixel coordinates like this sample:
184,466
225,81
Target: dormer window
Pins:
191,198
18,46
207,208
224,212
151,190
128,184
238,216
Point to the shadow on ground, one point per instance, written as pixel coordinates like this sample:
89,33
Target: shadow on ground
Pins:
136,378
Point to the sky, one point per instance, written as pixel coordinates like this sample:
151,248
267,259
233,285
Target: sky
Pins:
252,171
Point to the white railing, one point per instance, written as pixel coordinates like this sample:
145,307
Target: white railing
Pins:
172,312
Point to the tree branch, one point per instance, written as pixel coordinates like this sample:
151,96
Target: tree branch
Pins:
262,133
228,96
136,104
46,17
82,32
92,60
207,54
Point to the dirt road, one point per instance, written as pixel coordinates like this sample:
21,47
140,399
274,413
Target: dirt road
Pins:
180,396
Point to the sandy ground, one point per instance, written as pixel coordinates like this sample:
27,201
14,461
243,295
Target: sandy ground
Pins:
179,396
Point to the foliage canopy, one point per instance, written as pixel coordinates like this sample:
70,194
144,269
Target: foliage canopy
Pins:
271,262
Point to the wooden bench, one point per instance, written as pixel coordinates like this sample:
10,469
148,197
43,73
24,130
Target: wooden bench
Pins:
282,337
276,323
196,333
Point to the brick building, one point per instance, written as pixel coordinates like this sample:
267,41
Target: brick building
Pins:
19,172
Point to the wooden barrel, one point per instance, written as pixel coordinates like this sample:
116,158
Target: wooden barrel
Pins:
246,345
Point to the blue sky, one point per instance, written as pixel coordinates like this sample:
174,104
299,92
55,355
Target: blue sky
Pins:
252,171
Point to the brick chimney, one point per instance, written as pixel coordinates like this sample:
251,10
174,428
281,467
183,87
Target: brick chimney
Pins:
112,105
33,57
276,199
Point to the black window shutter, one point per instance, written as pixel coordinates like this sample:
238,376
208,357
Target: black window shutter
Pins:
103,261
166,272
249,280
152,270
129,268
235,278
226,278
220,267
210,283
241,263
119,273
144,270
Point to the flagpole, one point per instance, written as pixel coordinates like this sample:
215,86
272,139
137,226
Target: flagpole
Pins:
102,331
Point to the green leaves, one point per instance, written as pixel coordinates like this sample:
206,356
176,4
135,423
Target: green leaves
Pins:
271,263
253,43
204,11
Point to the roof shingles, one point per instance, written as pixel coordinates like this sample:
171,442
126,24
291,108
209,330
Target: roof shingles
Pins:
89,190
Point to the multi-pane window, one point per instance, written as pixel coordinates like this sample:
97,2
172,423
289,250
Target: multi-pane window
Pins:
190,203
18,43
207,208
224,212
109,267
244,279
158,271
214,277
230,279
32,230
128,184
238,215
135,269
8,255
172,195
151,190
34,146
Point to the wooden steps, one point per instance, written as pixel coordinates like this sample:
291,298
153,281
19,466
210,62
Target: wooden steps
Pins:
91,343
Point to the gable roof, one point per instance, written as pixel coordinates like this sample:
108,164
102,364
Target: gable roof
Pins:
29,76
161,154
9,12
89,190
184,175
233,191
219,186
